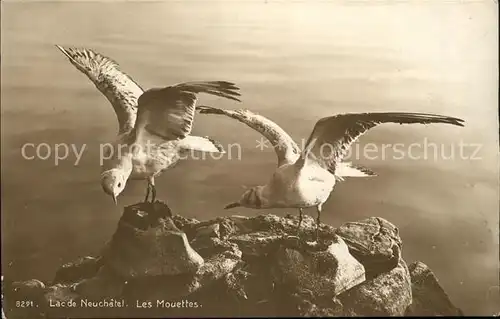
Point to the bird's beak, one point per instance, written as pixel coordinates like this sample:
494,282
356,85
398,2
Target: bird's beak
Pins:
232,205
114,200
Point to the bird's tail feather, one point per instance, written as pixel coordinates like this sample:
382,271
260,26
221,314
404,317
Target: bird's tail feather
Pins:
346,169
202,144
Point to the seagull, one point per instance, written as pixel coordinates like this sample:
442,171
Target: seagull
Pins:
153,125
306,178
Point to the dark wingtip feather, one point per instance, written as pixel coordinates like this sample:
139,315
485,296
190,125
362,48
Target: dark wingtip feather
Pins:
448,120
424,118
223,89
365,170
229,96
226,83
458,122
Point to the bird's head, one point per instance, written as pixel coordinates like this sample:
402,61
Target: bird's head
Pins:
252,198
90,63
113,182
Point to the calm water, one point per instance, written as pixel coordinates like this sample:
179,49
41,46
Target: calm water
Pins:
295,63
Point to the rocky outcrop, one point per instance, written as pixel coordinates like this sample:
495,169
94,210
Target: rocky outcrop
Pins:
388,294
148,244
323,269
157,264
429,298
375,242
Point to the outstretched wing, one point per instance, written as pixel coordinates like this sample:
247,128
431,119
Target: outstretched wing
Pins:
106,75
168,113
333,136
286,149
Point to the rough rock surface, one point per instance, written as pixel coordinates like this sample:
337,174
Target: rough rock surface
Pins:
375,242
81,268
388,294
325,269
147,243
159,265
429,298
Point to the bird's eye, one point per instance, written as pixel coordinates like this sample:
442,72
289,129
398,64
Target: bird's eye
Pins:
119,184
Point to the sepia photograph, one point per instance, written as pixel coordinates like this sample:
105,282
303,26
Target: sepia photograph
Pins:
249,158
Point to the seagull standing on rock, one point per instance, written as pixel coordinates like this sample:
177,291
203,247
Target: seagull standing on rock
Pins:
154,125
306,178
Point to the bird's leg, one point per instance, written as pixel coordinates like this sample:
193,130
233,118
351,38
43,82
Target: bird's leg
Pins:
153,189
300,220
318,221
147,193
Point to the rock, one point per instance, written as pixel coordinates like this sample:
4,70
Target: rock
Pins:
303,303
282,226
161,249
217,267
312,310
185,224
251,283
145,215
235,284
227,228
60,292
82,268
429,298
325,271
374,242
242,224
160,265
208,231
181,286
388,294
221,227
256,244
28,288
309,309
239,294
209,246
104,285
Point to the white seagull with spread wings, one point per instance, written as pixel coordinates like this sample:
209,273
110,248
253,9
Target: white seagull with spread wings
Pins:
154,125
306,178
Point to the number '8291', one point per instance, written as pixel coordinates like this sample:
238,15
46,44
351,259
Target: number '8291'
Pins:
25,304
